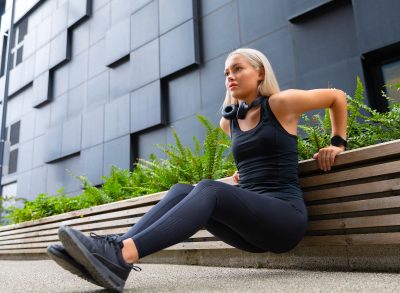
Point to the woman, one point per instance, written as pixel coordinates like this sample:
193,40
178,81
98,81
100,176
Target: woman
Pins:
264,212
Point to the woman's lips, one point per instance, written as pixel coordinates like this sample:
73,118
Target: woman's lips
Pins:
232,86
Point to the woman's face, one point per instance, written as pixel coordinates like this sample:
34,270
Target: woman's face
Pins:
241,79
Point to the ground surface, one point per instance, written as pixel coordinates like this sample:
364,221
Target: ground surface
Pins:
46,276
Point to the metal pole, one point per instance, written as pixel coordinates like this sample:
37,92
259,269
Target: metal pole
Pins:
10,40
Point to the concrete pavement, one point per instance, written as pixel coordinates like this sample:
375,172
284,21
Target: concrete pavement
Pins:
46,276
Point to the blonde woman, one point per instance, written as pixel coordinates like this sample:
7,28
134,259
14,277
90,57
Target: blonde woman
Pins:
264,212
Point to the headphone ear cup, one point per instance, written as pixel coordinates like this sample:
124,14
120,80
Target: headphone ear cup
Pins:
242,110
229,112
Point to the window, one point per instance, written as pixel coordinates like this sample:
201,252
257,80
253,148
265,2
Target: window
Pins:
11,144
391,75
17,49
382,67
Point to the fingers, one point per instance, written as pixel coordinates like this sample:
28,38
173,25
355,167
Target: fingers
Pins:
236,177
325,158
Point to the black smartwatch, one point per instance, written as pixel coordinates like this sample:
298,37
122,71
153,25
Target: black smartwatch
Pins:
338,141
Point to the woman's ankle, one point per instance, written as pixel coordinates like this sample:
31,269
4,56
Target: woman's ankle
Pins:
129,251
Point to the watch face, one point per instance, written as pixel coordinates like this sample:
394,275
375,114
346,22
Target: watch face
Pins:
338,141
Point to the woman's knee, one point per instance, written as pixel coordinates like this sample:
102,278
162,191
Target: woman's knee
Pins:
179,190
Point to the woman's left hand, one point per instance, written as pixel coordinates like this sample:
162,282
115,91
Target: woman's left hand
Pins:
326,156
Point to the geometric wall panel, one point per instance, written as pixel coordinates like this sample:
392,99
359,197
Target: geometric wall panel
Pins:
41,89
179,48
77,10
118,41
146,107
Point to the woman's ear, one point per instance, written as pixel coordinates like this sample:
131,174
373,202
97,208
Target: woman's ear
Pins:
261,73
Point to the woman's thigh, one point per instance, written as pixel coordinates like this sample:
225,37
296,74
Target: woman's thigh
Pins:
262,220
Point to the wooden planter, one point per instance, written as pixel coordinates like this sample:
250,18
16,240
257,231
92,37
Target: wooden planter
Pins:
354,221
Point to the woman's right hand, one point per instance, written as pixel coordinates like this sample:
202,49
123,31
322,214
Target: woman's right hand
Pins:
236,177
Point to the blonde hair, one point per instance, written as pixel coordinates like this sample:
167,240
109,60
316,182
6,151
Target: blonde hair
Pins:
268,86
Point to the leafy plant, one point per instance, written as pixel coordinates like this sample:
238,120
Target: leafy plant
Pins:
365,126
149,176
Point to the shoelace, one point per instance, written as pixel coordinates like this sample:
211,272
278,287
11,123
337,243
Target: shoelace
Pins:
111,238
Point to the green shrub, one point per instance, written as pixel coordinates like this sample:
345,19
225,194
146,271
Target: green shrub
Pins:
149,176
365,126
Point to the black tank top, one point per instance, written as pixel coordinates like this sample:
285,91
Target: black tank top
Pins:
266,157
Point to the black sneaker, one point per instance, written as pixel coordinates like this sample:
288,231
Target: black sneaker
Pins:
100,255
58,253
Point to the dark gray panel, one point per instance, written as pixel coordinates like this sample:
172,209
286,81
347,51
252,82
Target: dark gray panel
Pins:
53,143
212,113
40,90
76,100
58,110
55,177
42,59
43,35
99,23
25,152
144,64
184,96
120,82
341,75
29,43
120,9
59,20
147,143
60,80
174,13
78,69
80,38
93,127
331,43
59,49
278,48
42,120
301,7
38,180
72,164
92,164
71,136
117,41
186,128
97,4
27,127
377,23
179,48
117,120
28,70
220,32
15,79
98,90
146,17
77,10
146,107
39,151
138,4
97,55
117,152
207,6
213,82
24,185
260,18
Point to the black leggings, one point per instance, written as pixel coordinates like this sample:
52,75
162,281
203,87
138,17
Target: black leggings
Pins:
242,218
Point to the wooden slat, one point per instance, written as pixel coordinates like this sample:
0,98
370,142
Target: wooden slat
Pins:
123,204
356,156
95,218
352,239
346,175
356,222
355,206
351,190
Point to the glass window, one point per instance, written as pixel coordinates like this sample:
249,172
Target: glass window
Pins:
391,76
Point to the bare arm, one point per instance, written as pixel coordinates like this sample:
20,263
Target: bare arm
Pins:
298,102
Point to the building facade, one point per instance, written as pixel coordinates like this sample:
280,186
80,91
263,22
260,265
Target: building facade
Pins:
96,83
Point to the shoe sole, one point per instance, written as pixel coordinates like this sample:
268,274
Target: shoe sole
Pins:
78,251
69,265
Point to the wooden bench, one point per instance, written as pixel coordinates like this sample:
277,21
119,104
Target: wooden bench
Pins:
354,221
